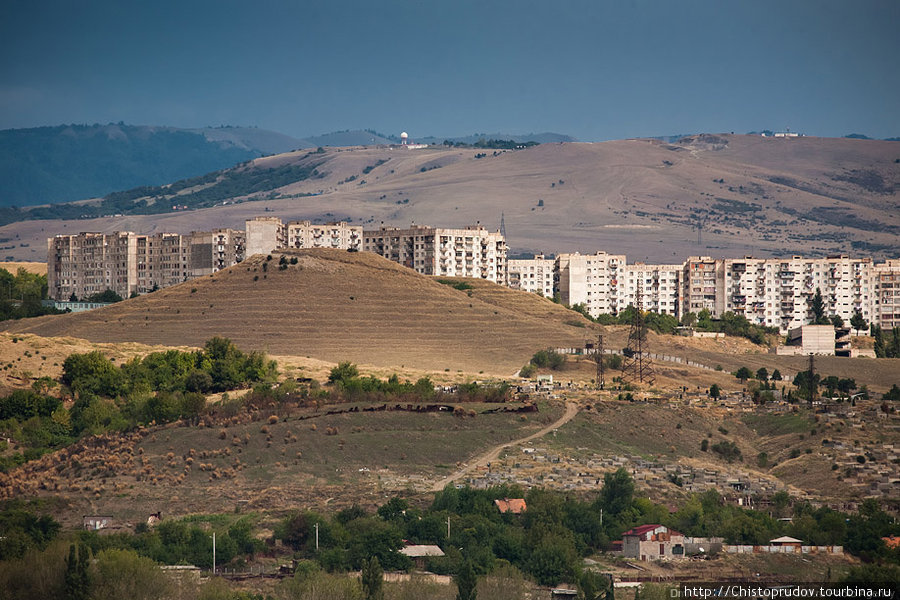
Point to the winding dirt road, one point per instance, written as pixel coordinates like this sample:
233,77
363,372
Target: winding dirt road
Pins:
493,454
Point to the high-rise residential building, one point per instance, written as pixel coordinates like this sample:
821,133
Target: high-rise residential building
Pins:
700,278
593,280
127,263
303,234
658,285
532,275
212,251
470,252
266,234
886,311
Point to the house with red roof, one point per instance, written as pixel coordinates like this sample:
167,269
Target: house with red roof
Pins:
652,542
515,506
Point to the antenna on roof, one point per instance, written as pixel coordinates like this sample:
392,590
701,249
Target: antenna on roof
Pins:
502,226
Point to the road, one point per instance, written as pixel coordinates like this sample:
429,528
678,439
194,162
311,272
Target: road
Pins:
494,453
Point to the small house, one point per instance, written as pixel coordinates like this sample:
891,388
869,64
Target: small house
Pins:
419,552
652,542
787,541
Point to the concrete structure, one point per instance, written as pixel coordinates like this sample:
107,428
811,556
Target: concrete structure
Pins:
470,252
810,339
658,284
304,234
267,234
652,542
264,234
700,280
128,263
212,251
886,312
533,275
590,279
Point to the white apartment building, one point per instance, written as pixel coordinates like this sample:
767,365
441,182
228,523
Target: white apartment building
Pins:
470,252
777,292
532,275
303,234
266,234
659,286
592,280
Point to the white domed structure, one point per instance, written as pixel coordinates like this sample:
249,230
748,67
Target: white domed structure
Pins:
404,137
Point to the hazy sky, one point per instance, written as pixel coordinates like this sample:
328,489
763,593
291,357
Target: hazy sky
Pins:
593,69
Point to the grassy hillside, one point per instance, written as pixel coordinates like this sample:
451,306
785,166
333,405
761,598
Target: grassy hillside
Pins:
334,306
749,194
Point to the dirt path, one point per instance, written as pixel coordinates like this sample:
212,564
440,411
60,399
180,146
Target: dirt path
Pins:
493,454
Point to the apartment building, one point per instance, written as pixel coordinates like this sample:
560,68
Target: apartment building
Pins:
700,279
659,286
265,234
592,280
212,251
303,234
886,312
532,275
470,252
128,263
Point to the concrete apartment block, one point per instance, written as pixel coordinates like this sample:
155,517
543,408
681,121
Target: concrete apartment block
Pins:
592,280
533,275
470,252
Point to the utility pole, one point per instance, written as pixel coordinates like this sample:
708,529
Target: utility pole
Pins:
637,366
601,367
214,552
317,537
448,527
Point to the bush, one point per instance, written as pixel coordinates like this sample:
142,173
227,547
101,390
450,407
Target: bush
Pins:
727,450
549,359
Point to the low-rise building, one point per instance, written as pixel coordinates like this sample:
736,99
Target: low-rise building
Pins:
652,542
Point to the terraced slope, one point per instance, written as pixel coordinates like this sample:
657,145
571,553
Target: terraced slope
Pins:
334,306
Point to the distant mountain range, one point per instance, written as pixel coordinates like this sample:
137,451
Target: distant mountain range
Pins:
49,165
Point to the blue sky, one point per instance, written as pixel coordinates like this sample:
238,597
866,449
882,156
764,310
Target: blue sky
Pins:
593,69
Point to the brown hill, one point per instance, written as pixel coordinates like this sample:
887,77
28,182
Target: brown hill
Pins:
334,306
751,195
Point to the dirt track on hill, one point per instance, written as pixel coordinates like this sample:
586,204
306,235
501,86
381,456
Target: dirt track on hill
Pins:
494,453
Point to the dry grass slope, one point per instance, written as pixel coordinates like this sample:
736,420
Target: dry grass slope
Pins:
755,195
334,306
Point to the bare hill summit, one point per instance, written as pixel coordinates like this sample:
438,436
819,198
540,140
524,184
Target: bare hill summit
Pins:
332,305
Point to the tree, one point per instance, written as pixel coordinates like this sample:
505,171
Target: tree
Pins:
106,295
807,384
77,578
776,375
837,321
817,309
743,374
466,582
373,579
762,374
343,373
617,492
714,391
858,322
